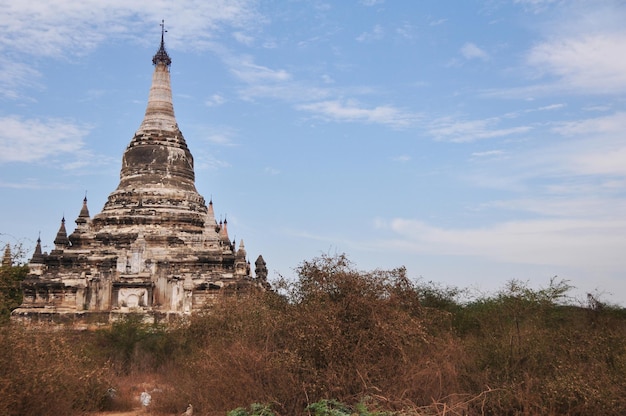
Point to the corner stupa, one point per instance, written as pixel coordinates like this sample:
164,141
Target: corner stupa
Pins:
155,249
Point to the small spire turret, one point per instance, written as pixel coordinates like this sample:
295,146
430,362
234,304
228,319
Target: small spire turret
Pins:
241,252
61,241
224,231
37,256
210,215
83,217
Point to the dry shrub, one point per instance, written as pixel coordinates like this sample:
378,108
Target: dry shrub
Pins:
48,373
539,356
133,346
233,361
334,333
340,334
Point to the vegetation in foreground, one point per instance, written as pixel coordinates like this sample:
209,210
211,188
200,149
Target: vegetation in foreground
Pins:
336,341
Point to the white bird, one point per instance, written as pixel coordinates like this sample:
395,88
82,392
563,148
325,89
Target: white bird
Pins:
189,411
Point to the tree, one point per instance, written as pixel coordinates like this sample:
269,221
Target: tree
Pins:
10,290
10,279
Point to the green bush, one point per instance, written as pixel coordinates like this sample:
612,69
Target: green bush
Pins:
256,409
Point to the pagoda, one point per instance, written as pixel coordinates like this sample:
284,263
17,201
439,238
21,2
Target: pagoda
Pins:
155,249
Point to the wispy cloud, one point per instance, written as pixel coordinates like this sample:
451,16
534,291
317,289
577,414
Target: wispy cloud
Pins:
407,31
459,131
437,22
60,27
353,111
565,242
535,6
252,73
29,183
292,92
217,135
596,146
32,140
376,33
271,171
14,76
562,202
214,100
205,160
370,3
471,51
243,38
401,158
589,64
488,153
611,124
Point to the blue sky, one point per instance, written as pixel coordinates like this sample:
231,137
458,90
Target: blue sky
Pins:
473,142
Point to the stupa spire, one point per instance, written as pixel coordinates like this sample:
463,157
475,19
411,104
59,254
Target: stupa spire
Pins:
160,110
157,160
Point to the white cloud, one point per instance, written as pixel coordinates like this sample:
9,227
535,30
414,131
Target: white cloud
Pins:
243,38
568,201
535,5
591,64
15,75
29,183
218,135
488,153
437,22
35,140
327,79
611,124
370,3
376,33
471,51
84,161
407,31
271,171
564,242
287,91
253,73
401,158
449,129
207,161
602,162
214,100
550,107
60,27
352,111
596,146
